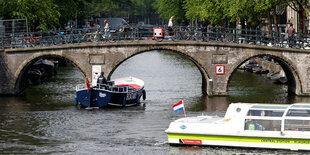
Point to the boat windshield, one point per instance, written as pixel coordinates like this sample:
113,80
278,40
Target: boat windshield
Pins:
282,107
266,113
305,106
298,113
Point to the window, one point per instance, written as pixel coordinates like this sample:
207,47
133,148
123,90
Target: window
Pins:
296,125
266,113
298,113
263,125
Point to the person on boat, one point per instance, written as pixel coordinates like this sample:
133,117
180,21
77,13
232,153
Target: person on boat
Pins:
101,79
252,124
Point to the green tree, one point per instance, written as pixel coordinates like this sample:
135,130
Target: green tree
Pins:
268,9
167,8
45,13
301,7
243,11
194,9
73,10
112,8
143,8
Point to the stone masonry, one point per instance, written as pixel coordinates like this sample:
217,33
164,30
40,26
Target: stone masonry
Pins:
207,56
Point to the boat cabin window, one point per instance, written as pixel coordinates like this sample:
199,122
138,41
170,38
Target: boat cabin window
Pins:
304,106
265,113
264,118
298,113
262,125
297,119
296,125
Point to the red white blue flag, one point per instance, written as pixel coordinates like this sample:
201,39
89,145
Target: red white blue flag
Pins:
178,107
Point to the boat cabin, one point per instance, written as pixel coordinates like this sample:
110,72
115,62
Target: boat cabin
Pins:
271,117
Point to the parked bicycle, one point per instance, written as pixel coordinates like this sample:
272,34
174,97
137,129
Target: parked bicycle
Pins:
100,35
161,33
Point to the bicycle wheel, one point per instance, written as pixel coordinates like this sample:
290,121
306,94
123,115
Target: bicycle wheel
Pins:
56,41
111,38
135,36
187,36
159,39
198,36
126,36
93,38
50,41
176,36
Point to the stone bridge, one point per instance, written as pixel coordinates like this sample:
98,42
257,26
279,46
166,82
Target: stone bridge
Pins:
14,63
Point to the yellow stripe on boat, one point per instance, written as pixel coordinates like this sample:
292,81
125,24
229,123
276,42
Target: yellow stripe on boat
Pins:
240,139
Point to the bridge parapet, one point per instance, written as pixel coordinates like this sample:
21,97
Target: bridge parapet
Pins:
209,34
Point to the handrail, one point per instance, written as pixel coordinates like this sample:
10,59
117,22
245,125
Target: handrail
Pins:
208,34
113,88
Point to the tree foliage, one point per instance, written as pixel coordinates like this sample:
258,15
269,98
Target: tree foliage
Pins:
72,10
251,12
44,13
47,14
302,8
168,8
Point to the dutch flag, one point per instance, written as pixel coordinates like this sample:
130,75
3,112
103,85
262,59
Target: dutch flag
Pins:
178,107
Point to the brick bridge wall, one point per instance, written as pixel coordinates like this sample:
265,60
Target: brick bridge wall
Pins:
296,63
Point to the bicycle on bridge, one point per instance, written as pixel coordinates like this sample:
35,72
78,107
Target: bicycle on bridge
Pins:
100,35
179,33
161,33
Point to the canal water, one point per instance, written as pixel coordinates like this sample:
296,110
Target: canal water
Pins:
44,121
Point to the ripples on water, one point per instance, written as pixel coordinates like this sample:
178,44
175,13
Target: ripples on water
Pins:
44,120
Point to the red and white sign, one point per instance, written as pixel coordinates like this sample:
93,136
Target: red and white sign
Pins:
220,69
158,32
191,141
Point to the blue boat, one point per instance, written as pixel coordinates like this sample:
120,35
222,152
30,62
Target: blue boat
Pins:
119,92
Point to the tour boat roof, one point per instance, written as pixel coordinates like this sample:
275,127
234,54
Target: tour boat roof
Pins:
129,81
261,110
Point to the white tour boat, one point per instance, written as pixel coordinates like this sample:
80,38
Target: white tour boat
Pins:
247,125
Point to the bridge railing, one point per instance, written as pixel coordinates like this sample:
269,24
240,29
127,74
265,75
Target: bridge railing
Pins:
200,34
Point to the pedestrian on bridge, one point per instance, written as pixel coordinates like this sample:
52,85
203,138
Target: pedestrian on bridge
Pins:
290,35
106,29
170,25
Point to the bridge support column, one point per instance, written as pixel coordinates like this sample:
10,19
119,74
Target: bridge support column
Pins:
7,82
216,88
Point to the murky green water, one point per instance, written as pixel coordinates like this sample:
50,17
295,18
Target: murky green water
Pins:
44,120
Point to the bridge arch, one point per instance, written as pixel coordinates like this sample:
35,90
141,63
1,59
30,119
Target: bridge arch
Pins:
205,55
20,73
202,70
293,77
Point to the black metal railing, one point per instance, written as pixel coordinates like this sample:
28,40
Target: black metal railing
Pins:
200,34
